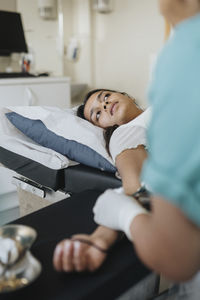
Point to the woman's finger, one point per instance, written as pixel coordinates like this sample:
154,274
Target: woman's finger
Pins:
80,256
67,257
57,257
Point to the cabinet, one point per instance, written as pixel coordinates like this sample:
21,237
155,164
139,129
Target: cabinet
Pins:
41,91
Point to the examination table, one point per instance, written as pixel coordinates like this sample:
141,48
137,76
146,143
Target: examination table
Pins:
39,186
120,276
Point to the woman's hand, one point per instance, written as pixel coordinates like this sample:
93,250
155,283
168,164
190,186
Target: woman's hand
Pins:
72,255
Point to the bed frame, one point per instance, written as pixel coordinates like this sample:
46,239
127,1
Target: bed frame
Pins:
39,186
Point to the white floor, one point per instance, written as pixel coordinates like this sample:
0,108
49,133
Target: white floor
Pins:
9,215
9,207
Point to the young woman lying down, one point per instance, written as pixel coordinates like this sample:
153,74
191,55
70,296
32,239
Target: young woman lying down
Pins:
125,125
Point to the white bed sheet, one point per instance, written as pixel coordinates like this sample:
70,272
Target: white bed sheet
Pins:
13,140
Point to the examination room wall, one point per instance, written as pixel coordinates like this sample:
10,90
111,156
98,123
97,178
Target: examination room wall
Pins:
126,42
116,49
8,5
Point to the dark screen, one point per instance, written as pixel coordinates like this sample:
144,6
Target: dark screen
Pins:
12,37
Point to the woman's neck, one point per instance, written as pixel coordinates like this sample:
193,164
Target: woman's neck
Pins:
132,114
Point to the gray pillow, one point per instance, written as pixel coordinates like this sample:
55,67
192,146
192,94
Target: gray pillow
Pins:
38,132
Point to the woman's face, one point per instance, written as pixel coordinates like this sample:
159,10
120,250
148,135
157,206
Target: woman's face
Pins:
105,108
176,11
166,6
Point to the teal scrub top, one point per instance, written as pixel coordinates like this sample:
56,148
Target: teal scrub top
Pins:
172,170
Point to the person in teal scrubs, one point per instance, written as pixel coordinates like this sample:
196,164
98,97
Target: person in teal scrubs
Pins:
168,238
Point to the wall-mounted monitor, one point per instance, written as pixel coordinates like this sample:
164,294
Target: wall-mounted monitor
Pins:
12,38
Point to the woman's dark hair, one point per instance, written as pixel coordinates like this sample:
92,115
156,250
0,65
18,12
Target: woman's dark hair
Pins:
107,136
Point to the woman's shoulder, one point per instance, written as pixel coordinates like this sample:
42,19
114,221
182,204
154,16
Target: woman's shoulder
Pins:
133,131
141,121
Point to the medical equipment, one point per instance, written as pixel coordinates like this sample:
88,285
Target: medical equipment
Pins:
39,186
19,266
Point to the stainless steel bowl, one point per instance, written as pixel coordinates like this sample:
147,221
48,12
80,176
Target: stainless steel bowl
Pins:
24,235
26,268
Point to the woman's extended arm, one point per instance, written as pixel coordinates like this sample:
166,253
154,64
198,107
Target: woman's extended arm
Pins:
129,164
76,256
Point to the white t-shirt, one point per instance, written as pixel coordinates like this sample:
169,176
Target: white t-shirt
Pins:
130,135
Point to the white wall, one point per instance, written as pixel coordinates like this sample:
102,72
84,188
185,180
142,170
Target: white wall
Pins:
42,36
9,5
78,13
116,49
124,42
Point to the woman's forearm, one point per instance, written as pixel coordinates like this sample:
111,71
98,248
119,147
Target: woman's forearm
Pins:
129,164
108,235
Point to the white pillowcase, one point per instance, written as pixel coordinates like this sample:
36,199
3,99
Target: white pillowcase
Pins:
81,134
